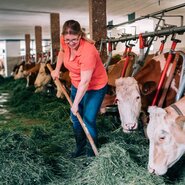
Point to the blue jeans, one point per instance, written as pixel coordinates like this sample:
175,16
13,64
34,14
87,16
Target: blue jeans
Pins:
88,108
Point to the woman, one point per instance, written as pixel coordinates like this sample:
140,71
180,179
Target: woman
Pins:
88,78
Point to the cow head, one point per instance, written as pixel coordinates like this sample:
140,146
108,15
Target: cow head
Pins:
43,78
19,73
167,143
128,99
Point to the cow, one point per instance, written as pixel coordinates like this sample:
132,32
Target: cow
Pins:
31,74
44,78
2,69
135,94
166,133
28,71
18,70
114,72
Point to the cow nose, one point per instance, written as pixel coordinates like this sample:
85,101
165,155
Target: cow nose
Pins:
36,85
151,170
131,126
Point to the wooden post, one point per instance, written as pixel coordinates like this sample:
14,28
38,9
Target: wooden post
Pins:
27,46
38,41
55,35
97,20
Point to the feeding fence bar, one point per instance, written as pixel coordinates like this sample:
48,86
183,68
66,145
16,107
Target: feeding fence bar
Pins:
148,16
158,33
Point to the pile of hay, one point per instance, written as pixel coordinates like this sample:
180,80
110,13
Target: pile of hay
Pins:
21,162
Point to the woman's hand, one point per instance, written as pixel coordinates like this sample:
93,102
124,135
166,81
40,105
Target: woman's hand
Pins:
55,74
74,109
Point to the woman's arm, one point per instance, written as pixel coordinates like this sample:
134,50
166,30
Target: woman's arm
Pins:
82,88
55,73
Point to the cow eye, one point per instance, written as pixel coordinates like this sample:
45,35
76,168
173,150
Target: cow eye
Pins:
116,100
137,98
162,138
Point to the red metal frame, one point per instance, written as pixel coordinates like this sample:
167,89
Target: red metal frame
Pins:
169,58
126,61
110,46
125,52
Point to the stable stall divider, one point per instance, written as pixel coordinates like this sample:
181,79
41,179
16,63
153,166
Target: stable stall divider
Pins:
160,51
168,61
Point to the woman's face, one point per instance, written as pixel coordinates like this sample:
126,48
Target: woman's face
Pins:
72,41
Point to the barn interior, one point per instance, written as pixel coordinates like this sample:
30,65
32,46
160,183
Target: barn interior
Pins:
36,134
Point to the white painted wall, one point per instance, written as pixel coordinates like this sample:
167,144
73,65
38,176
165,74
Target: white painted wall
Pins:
12,54
145,25
12,48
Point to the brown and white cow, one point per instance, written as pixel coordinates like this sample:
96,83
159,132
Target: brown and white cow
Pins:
44,77
166,133
31,74
20,68
128,99
114,72
2,68
135,94
28,71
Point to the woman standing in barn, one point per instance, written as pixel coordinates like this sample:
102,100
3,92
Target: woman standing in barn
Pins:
89,82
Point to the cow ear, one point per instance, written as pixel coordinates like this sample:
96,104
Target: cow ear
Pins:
180,120
148,87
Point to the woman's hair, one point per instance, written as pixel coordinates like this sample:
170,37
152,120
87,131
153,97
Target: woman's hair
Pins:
73,27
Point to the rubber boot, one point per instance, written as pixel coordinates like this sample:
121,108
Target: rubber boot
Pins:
80,138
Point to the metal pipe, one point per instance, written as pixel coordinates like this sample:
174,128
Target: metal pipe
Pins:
26,11
152,39
182,79
180,90
168,31
181,18
126,61
148,15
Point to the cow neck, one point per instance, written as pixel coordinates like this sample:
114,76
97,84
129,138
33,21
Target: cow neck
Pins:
177,108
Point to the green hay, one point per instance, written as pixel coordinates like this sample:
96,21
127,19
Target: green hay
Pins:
123,160
123,157
25,101
20,161
9,83
1,79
